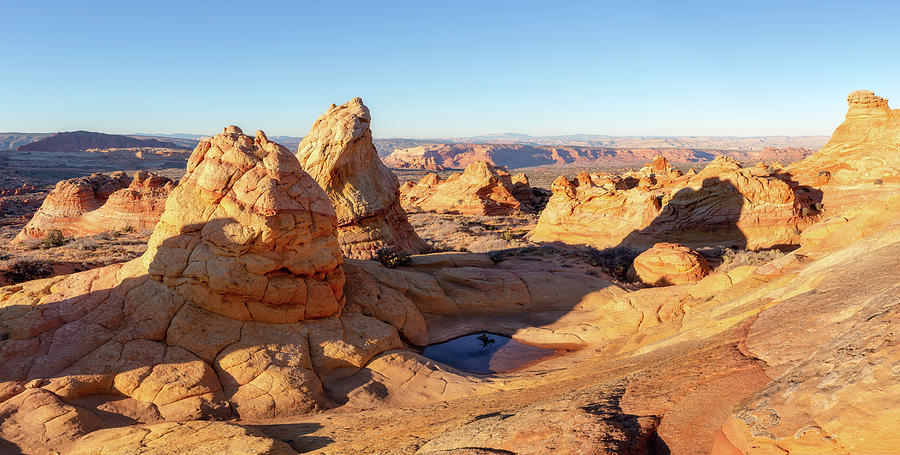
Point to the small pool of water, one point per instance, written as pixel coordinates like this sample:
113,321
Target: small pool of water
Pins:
485,353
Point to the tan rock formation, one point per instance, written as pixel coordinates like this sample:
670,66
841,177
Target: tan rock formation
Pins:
233,309
238,309
864,152
668,263
656,173
91,205
724,204
339,154
189,438
482,189
594,215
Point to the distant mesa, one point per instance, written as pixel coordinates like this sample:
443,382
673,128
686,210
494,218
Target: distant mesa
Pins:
339,154
78,141
512,156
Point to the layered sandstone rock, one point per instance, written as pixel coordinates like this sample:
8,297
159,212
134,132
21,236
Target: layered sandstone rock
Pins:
585,213
189,438
339,154
864,152
655,173
238,309
90,205
727,204
482,189
724,204
668,263
235,308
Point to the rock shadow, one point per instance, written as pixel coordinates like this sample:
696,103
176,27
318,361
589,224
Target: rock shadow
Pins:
297,435
707,216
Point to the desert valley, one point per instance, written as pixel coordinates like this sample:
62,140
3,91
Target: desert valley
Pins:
341,294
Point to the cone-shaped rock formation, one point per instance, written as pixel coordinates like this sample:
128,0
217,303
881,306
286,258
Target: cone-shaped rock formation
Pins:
339,154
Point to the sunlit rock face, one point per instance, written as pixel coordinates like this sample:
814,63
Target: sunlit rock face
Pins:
724,204
233,310
481,189
862,159
249,235
90,205
339,154
668,263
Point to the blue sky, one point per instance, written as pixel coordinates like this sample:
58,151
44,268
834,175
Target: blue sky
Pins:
441,69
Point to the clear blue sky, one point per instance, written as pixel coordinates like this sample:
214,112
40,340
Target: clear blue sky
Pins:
449,68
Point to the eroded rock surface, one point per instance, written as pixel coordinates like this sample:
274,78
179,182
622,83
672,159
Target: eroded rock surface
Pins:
668,263
862,159
482,189
90,205
339,154
724,204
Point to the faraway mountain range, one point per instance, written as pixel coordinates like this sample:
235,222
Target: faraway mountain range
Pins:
508,149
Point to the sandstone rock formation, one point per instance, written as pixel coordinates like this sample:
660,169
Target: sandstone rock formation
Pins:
655,173
584,213
668,263
863,151
206,324
90,205
131,357
238,309
339,154
482,189
724,204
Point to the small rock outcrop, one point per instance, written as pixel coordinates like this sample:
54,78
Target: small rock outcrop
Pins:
90,205
655,173
581,212
668,263
482,189
339,154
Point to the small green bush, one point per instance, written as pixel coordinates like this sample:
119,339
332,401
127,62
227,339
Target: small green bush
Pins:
53,239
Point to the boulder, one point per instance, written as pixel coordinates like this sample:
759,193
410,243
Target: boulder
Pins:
339,154
668,263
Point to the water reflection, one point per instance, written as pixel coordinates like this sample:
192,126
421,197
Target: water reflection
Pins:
485,353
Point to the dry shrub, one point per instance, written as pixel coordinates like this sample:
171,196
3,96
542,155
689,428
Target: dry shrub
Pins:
734,257
391,258
28,269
